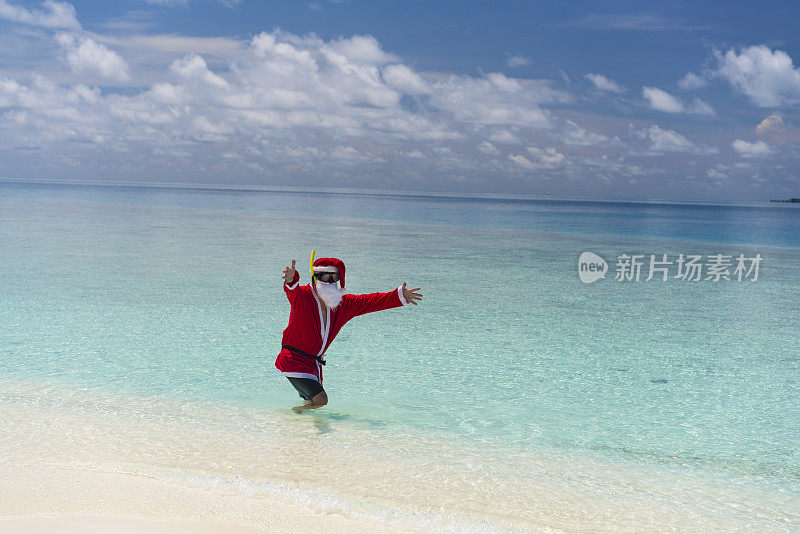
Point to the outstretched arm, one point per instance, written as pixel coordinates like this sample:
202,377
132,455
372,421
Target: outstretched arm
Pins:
372,302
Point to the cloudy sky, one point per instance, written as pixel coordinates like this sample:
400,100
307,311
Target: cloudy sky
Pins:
688,100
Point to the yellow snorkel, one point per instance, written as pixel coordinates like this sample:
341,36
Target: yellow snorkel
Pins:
311,263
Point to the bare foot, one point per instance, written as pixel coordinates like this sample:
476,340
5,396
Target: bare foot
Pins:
305,406
319,400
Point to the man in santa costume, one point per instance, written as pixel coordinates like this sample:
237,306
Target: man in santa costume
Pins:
318,311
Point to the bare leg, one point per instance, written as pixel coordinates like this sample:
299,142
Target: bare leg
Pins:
319,400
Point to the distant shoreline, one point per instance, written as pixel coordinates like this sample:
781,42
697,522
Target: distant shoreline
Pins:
381,192
792,200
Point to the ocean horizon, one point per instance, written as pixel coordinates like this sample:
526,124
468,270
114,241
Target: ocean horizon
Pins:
483,195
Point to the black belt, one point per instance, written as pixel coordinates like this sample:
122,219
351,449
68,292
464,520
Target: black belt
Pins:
304,353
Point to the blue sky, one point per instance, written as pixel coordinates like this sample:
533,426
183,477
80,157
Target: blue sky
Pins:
680,100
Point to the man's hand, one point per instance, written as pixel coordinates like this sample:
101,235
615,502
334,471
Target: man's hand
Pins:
410,295
288,274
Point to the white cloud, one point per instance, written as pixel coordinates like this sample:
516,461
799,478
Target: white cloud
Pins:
83,54
663,140
496,100
360,49
716,174
776,132
541,159
692,81
663,101
751,150
284,55
488,148
517,61
522,161
605,84
405,80
773,123
54,15
768,78
291,71
9,91
347,154
548,158
504,137
340,101
575,135
700,107
179,44
195,67
203,126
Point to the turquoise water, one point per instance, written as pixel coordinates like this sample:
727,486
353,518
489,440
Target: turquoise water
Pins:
175,294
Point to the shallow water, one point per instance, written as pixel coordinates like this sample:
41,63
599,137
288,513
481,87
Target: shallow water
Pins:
512,383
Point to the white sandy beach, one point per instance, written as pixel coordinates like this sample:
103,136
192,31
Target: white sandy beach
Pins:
81,461
84,500
78,461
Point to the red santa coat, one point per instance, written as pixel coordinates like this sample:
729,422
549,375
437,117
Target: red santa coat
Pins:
307,333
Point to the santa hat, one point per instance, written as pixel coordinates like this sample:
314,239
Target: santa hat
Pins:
330,265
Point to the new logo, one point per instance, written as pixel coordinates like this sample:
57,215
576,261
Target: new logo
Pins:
591,267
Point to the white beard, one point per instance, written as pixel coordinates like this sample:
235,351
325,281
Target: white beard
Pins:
330,293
